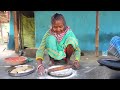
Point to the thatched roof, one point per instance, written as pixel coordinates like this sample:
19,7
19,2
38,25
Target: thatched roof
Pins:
4,16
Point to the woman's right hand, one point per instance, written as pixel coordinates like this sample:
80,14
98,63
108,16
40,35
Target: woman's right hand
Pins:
40,68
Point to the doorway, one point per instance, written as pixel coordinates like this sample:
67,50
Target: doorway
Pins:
27,31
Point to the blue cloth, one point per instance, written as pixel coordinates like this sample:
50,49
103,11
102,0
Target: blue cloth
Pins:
114,47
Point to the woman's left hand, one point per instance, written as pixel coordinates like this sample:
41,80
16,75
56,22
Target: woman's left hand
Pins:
76,64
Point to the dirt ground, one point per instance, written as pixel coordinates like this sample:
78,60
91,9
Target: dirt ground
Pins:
90,68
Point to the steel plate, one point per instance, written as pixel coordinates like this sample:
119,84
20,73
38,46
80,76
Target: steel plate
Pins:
61,73
20,74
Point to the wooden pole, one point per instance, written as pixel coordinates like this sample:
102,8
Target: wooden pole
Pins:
1,33
16,32
97,34
20,31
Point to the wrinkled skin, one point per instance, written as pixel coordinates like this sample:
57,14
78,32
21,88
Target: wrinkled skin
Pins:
41,68
58,26
76,64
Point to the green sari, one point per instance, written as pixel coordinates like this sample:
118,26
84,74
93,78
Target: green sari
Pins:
55,49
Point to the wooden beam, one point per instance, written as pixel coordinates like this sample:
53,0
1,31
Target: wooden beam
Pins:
97,34
16,32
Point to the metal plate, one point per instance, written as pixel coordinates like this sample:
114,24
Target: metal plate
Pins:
8,61
21,74
61,73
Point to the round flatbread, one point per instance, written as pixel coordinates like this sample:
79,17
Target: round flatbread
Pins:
21,70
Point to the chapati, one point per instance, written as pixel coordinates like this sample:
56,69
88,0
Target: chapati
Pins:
21,70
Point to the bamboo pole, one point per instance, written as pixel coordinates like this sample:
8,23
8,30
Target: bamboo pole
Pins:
16,32
97,34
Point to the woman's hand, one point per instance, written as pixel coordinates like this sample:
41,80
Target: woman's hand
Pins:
40,68
76,64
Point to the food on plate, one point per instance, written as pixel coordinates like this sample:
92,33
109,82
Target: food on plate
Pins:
15,60
58,68
60,72
21,69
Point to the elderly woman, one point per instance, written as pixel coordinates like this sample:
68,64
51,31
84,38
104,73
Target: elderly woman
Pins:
60,43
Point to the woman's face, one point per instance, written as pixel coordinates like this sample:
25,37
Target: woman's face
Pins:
58,26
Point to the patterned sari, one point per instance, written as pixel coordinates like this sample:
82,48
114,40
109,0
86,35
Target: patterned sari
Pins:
55,46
